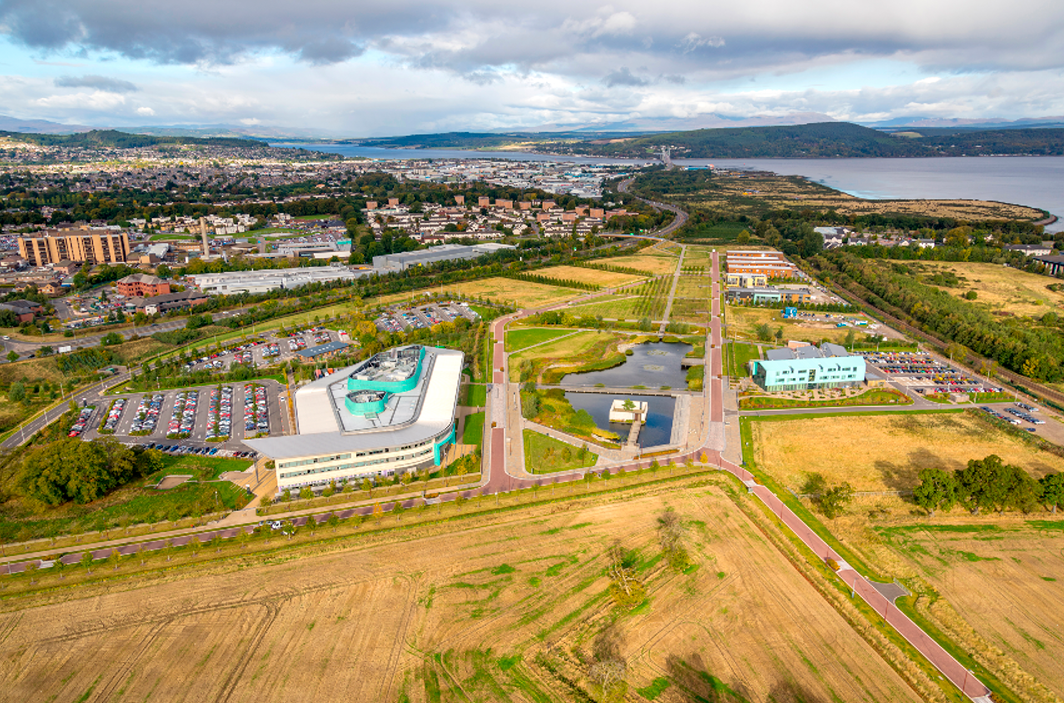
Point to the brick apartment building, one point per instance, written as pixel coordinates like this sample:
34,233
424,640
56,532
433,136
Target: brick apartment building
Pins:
91,246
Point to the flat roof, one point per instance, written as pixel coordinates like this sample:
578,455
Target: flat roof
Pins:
411,417
323,349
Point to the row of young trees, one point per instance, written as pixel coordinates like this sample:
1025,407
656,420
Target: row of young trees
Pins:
987,484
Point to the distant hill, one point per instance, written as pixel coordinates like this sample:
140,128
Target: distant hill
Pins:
14,124
831,140
123,140
480,140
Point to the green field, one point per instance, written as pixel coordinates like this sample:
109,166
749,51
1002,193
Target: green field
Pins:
474,429
521,338
738,357
612,307
544,455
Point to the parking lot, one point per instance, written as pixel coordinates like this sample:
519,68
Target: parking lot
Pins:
268,350
205,420
922,373
399,319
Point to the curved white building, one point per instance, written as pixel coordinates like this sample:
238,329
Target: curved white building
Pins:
386,415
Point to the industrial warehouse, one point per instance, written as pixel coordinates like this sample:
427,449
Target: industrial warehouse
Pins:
389,414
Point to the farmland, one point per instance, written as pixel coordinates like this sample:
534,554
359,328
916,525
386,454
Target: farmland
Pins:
505,608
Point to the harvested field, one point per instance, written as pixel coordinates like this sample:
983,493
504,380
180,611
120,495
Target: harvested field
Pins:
595,277
653,263
756,196
520,294
478,610
1001,289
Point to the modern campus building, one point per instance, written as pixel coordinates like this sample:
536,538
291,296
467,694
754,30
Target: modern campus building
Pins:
746,280
769,294
91,246
389,414
806,368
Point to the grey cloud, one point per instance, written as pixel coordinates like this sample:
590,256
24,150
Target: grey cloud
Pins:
327,50
109,85
623,76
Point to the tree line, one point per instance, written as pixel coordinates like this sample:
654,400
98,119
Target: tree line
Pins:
987,484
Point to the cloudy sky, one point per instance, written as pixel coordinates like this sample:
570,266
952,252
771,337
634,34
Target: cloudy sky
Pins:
359,68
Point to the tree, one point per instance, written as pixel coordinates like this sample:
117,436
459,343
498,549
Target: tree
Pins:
1052,490
763,332
12,356
110,339
981,484
834,500
17,392
86,561
937,490
46,351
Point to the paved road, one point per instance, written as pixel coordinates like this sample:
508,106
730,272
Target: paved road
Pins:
679,221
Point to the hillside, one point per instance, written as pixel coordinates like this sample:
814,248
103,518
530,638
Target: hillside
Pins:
123,140
831,140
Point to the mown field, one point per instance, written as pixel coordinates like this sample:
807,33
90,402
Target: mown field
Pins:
572,350
990,583
595,277
649,260
515,607
517,339
519,294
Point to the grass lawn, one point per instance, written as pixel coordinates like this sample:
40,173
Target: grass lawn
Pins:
870,397
613,307
544,455
521,338
520,294
202,468
739,356
595,277
476,395
473,433
571,351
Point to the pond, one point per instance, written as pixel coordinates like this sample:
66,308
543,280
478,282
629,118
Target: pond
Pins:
658,427
652,365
